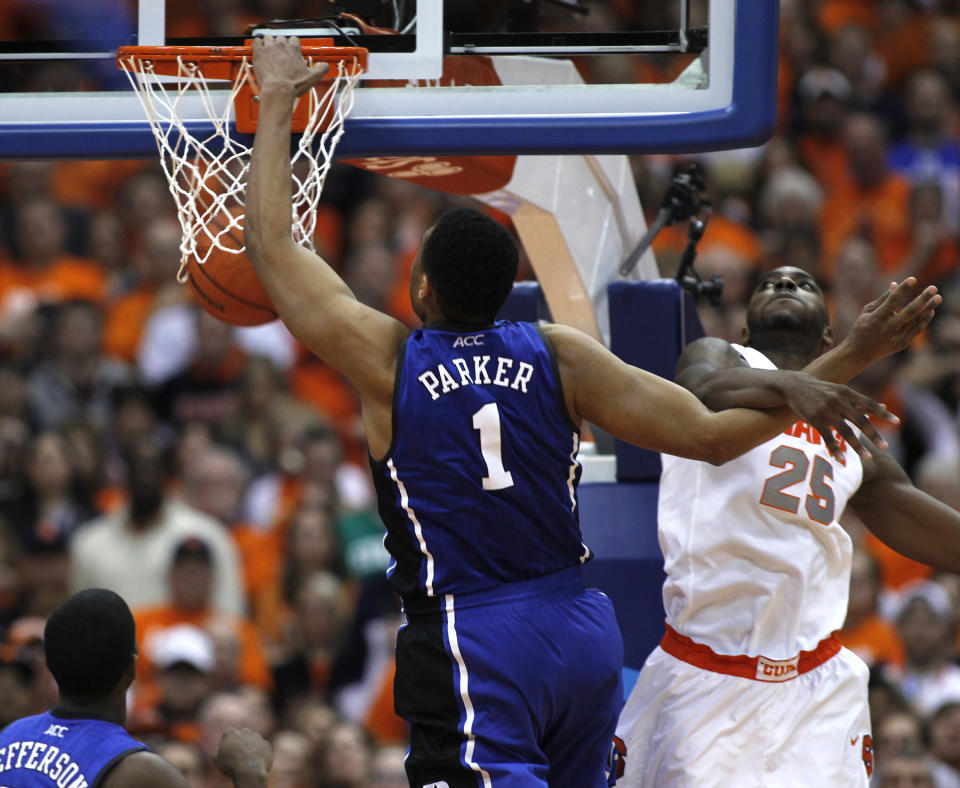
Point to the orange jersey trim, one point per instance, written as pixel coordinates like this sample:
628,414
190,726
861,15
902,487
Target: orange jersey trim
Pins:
756,668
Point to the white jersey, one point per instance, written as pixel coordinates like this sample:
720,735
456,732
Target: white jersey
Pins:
756,561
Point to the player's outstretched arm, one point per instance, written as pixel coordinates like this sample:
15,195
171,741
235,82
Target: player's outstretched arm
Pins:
144,770
909,521
244,756
716,373
311,299
649,411
721,379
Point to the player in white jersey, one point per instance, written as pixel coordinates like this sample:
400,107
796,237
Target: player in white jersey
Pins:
748,686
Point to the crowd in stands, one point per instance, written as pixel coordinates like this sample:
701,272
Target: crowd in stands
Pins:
216,477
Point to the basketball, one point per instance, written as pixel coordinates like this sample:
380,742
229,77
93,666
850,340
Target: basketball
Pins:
226,285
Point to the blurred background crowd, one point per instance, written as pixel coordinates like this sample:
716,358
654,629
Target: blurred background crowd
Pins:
216,477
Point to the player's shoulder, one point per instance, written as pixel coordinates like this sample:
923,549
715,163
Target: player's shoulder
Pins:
704,356
144,769
12,730
566,339
712,349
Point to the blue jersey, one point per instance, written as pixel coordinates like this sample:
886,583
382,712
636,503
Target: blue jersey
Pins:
53,750
479,485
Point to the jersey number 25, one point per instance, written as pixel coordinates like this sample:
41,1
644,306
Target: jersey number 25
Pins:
819,502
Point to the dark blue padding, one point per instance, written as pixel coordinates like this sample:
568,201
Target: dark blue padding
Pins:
525,303
748,121
619,523
650,323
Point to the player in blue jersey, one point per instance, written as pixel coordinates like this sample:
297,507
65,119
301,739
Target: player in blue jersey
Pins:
90,650
508,670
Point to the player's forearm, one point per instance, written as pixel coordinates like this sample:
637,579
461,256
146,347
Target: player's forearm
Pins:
300,284
268,199
685,427
732,432
744,387
913,523
842,363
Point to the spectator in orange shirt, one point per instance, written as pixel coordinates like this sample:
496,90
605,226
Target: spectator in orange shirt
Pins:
851,49
866,632
311,546
873,202
834,14
822,102
190,581
156,286
371,270
182,658
43,268
214,482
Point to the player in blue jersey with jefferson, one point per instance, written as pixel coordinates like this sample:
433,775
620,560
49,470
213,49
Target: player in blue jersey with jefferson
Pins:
90,650
508,670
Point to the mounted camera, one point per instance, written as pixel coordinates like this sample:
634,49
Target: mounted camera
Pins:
685,200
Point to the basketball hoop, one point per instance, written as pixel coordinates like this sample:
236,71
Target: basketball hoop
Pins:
207,170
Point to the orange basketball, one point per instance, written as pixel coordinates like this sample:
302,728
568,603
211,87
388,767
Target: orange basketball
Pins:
226,285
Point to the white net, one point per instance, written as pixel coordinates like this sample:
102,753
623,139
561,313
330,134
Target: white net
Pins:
207,170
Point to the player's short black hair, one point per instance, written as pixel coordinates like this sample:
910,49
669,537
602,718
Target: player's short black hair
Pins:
470,261
89,641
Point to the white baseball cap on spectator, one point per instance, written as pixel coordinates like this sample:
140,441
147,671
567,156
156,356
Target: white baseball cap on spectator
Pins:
182,643
933,594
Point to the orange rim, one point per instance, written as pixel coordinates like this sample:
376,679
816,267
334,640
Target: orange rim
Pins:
217,62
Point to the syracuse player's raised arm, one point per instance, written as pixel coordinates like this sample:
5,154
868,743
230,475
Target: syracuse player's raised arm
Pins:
721,379
908,520
713,370
718,375
311,299
649,411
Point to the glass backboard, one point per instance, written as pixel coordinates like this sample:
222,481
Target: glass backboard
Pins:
577,76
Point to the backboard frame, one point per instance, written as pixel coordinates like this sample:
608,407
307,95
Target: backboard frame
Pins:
735,108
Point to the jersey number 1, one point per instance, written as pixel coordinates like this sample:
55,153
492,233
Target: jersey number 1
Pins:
487,421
